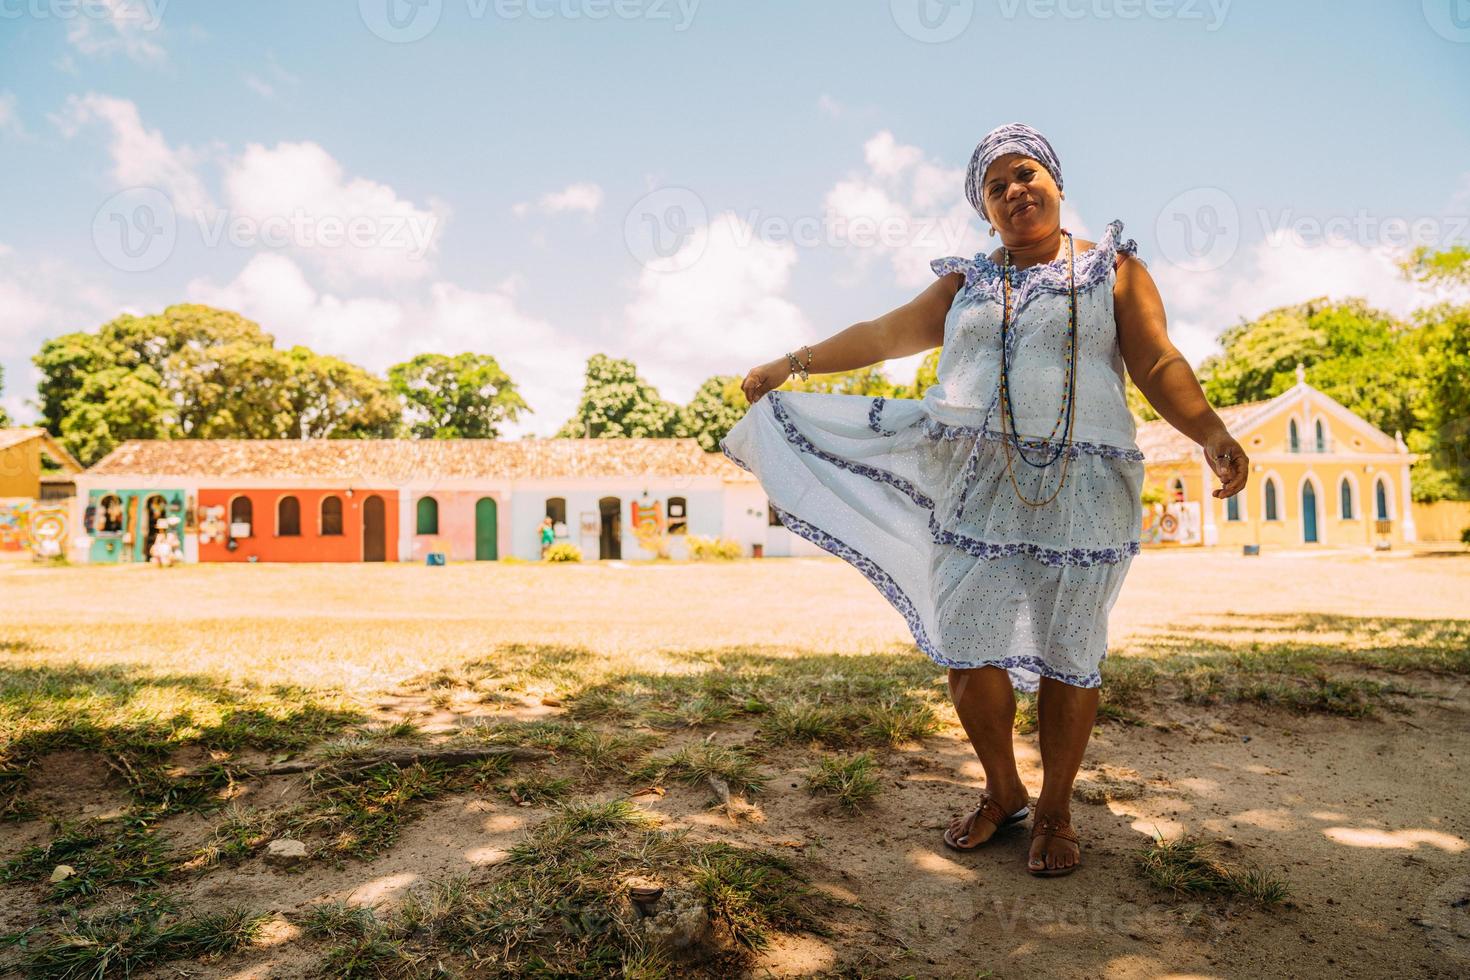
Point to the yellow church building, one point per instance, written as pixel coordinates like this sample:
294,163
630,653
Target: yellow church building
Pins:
1320,476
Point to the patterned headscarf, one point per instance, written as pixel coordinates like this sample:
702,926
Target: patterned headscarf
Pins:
1010,138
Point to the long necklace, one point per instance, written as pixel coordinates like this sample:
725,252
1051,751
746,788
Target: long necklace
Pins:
1008,433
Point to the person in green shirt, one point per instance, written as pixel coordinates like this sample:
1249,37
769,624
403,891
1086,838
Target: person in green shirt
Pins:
548,534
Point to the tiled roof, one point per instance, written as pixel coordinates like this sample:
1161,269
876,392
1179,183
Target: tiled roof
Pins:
1160,441
403,460
14,437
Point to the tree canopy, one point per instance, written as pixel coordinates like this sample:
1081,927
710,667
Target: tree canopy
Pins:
466,396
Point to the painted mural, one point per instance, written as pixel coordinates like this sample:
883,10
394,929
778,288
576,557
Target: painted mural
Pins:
125,524
31,526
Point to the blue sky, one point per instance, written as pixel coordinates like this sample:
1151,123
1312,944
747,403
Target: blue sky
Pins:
506,162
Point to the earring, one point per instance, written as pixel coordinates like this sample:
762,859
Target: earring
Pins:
992,231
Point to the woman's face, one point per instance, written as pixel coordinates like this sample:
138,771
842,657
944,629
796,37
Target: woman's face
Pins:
1021,198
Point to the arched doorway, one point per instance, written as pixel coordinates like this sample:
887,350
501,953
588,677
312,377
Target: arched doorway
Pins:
610,542
486,520
374,530
1309,512
155,509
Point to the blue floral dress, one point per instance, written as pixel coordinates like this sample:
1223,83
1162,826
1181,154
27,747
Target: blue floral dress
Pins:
914,492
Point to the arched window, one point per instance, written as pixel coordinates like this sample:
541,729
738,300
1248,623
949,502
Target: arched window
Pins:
1270,509
331,516
1176,489
428,518
678,516
241,514
1380,498
1321,437
771,519
110,519
1345,496
1294,437
288,518
1232,508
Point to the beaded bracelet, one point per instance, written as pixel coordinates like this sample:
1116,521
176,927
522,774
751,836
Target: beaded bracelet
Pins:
796,367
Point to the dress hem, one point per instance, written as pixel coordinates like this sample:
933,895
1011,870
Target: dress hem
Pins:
900,601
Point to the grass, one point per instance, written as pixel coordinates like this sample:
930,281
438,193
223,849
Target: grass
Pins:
1192,866
302,682
851,782
119,942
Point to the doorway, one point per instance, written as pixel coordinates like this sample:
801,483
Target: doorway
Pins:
610,542
374,530
485,529
1309,513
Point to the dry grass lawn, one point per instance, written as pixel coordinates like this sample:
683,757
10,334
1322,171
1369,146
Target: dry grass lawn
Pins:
1276,784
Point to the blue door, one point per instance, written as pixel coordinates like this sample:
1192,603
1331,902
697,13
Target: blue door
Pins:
1309,513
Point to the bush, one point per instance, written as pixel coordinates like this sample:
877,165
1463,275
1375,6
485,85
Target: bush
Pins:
718,549
1465,536
563,551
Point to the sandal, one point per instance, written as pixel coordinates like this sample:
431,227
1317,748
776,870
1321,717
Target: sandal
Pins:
991,811
1051,827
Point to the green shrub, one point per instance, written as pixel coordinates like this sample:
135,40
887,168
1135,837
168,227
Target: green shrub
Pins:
563,551
717,549
1465,536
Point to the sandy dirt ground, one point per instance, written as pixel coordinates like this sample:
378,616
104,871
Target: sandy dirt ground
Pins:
1368,821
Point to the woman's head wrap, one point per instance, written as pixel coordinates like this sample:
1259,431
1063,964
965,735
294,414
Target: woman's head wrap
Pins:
1010,138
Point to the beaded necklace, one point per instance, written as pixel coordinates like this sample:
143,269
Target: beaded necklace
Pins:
1007,414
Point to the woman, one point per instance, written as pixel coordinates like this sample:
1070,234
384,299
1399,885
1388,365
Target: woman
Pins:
1000,512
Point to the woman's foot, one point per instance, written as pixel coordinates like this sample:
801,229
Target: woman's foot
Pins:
970,830
1054,847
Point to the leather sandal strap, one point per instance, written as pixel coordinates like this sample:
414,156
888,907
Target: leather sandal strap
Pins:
1053,829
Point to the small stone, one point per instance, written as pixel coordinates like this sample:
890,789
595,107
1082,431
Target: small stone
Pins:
285,851
62,872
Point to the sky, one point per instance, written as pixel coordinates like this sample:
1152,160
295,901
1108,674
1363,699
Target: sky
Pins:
696,185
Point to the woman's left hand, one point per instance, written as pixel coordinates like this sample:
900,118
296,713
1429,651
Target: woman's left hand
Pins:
1229,462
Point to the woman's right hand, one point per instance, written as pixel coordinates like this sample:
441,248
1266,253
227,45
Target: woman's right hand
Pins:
764,378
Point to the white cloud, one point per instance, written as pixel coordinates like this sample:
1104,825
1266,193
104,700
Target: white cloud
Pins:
140,156
584,197
1280,270
127,27
353,229
10,117
717,315
830,106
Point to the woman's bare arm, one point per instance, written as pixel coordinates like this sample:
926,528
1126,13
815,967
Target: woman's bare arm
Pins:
916,326
1165,377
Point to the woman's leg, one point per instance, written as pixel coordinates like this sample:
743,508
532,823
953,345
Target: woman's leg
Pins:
1065,715
986,703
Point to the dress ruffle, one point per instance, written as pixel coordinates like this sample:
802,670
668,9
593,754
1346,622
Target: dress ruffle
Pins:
935,497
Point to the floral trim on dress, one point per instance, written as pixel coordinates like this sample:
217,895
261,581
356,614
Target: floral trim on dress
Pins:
873,413
885,584
971,545
936,429
1093,266
794,436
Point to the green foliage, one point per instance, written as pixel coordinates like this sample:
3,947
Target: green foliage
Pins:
563,551
193,371
1399,376
713,411
467,396
4,417
1451,265
1465,536
712,549
617,403
870,381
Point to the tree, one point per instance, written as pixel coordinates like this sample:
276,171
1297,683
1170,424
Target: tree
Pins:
713,411
618,404
193,371
463,397
4,417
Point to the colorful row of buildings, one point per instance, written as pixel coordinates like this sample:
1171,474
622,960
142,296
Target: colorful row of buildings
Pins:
1321,476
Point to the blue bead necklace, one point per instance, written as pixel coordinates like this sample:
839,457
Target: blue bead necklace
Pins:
1009,436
